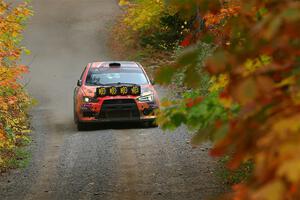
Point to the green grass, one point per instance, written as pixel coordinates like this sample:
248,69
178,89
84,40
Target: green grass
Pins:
17,157
21,159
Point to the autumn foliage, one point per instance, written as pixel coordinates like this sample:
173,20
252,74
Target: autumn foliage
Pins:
258,48
14,101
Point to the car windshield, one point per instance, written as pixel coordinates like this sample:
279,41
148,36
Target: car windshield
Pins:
107,76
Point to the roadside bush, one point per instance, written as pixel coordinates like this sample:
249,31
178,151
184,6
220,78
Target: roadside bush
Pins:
14,101
167,35
147,27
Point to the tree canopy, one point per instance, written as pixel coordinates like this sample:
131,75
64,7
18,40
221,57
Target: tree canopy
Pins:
257,47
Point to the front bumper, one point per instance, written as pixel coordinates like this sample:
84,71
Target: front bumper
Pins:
117,110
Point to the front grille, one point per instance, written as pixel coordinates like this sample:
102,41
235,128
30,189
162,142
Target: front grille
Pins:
123,109
118,101
88,114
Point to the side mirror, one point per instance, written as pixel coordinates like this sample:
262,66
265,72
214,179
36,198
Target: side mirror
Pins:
152,81
79,83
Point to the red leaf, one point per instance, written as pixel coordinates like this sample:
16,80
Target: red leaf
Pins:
192,102
218,124
187,41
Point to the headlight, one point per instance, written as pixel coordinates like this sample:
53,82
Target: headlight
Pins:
146,97
86,99
90,100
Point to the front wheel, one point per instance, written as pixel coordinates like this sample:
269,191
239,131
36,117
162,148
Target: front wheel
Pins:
81,126
150,124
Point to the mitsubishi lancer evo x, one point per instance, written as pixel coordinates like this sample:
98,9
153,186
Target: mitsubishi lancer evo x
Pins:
114,92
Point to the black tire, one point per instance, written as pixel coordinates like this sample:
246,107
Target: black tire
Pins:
150,124
81,126
75,117
75,113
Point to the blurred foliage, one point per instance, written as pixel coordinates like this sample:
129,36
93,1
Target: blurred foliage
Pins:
143,14
14,101
189,66
197,112
240,175
153,24
258,54
167,35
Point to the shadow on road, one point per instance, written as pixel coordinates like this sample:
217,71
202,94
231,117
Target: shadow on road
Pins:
70,127
115,126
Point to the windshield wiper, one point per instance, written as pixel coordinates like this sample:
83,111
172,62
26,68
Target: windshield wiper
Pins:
120,83
107,84
100,84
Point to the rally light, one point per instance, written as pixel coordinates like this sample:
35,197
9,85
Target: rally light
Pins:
135,90
102,92
124,90
118,90
113,91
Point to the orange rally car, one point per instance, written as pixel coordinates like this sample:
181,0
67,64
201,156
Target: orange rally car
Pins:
114,92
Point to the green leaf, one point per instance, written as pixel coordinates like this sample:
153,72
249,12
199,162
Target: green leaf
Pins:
26,51
178,119
165,74
291,14
265,59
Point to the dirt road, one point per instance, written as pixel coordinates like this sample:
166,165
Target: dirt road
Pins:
110,162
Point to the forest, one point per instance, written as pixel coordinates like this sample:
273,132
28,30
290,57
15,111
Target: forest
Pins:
235,68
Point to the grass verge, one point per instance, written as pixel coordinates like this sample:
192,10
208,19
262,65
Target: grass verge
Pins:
16,157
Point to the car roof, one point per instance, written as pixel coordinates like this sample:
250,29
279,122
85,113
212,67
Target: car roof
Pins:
127,64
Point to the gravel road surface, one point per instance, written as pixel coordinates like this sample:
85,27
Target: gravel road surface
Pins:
115,161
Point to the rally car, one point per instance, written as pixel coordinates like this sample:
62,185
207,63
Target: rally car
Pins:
114,92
